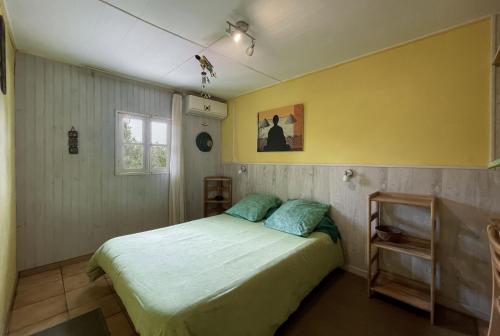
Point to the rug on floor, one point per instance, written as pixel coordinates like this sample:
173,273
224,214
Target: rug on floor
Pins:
91,323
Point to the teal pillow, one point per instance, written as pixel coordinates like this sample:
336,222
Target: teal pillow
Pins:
298,217
254,207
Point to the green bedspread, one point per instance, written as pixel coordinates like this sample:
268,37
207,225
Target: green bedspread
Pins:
214,276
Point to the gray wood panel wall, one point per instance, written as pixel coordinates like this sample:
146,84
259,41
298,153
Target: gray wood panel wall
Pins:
467,198
67,205
199,164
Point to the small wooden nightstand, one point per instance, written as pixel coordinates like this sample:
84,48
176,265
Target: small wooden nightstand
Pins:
218,195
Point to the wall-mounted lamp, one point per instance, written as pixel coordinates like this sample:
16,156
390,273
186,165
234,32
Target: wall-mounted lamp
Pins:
348,174
237,30
242,170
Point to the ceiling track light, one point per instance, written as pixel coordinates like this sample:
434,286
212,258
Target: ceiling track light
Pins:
236,31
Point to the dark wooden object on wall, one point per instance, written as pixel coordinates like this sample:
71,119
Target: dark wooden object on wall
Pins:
73,141
218,195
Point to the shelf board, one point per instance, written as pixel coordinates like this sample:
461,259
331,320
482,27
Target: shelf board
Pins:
496,60
213,188
219,209
217,178
217,202
414,246
412,292
416,200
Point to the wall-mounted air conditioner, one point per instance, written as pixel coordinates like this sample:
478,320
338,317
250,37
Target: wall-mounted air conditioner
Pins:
203,107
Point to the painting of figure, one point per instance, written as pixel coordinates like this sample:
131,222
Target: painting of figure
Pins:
281,129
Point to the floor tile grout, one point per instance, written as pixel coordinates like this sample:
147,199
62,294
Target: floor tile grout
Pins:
48,316
31,324
38,301
35,302
64,293
64,290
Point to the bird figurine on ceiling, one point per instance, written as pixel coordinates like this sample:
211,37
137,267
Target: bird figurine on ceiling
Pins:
204,81
205,64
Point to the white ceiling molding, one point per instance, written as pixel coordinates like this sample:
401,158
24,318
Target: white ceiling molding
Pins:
156,40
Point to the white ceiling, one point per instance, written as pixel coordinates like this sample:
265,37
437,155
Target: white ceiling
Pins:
294,37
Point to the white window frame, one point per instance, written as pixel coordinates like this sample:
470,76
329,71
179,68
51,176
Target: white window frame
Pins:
167,145
147,145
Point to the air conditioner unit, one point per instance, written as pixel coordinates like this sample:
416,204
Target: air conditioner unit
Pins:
205,107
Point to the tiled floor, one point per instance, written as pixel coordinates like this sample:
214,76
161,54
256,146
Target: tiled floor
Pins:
339,303
53,296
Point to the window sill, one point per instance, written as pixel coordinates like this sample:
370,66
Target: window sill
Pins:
140,173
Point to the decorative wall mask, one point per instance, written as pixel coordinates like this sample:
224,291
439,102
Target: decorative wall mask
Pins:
73,141
204,142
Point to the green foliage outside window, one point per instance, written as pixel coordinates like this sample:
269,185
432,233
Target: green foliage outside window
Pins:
133,155
134,152
158,157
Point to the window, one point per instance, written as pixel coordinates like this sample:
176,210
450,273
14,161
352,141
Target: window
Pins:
142,144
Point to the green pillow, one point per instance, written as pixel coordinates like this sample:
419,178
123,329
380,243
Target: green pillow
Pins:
254,207
298,217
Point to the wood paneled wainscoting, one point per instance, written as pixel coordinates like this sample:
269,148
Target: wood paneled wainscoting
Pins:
466,200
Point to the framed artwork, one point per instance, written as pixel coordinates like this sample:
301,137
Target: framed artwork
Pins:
3,57
281,129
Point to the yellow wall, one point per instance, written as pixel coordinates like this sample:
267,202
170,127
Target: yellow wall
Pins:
8,272
425,104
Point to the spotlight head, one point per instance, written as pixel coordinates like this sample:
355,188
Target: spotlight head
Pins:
236,31
242,26
250,49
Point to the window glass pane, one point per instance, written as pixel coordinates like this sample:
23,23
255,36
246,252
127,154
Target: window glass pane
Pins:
133,156
132,130
158,133
158,157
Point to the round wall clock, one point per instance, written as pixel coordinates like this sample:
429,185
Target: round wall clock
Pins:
204,142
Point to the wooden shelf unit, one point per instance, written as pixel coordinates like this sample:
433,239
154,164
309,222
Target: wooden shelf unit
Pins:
408,245
412,292
496,59
396,198
409,291
217,186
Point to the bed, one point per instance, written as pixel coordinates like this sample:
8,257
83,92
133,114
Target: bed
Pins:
219,275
